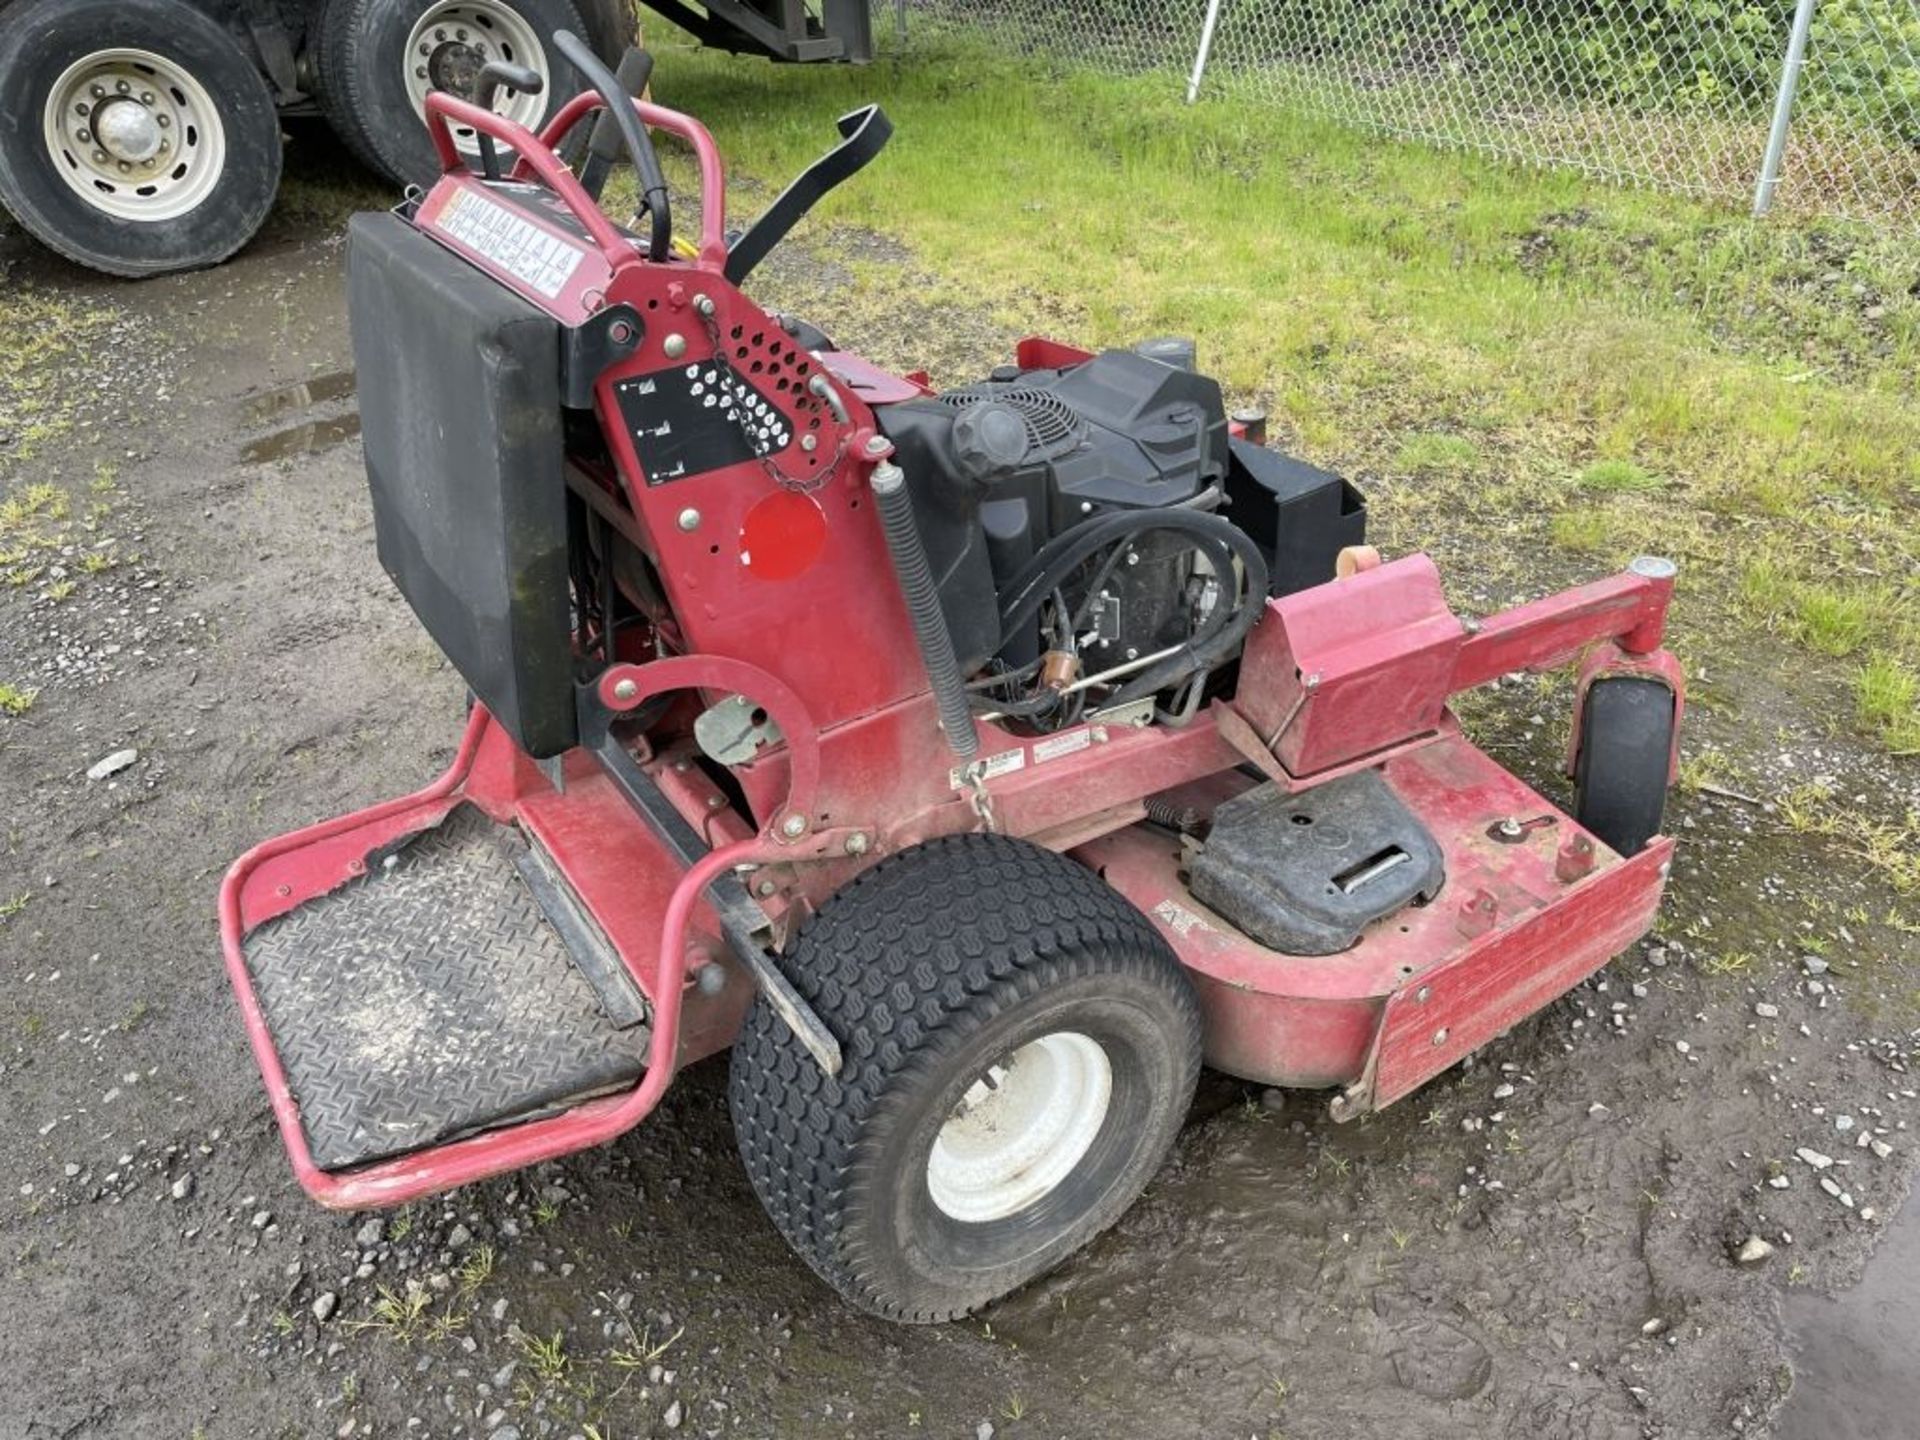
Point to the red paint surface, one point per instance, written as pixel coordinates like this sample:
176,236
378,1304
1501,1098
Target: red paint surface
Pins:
1312,1020
782,536
819,636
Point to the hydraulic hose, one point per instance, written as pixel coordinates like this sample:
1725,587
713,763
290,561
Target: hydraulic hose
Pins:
1219,539
923,606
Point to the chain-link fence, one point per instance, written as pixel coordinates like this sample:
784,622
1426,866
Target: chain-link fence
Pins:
1804,105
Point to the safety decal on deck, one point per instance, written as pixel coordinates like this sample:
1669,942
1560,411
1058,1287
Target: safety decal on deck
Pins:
1004,763
1182,920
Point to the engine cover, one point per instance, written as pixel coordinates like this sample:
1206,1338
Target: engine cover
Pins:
999,468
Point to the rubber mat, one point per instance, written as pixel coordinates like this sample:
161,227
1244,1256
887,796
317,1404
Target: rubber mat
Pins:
431,998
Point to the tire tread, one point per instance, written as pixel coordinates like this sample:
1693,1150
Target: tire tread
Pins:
934,942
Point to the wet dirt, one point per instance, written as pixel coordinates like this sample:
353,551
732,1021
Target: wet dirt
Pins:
1856,1374
1539,1244
311,437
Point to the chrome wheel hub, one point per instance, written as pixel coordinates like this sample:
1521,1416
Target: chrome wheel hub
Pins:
451,43
134,135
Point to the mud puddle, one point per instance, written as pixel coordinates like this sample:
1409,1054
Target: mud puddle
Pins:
314,435
306,395
310,438
1856,1356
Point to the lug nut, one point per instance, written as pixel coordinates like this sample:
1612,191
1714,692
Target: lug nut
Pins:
419,72
146,97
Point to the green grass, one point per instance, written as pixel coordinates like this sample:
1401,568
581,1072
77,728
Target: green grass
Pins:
1835,621
1887,695
43,336
1619,477
1475,332
15,700
1436,454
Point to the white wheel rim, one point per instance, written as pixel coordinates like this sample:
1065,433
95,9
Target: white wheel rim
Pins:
450,44
134,135
1021,1128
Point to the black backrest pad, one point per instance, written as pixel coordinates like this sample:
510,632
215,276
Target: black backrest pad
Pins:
459,382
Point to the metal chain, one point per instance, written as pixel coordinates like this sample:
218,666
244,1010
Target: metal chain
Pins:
978,796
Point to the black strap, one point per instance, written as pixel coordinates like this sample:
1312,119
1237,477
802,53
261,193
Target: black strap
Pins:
636,69
653,185
864,134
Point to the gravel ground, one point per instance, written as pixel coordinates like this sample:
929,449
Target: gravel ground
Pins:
1587,1231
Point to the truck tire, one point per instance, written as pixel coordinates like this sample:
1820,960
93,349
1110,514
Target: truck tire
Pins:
136,136
376,60
1020,1048
612,27
1625,756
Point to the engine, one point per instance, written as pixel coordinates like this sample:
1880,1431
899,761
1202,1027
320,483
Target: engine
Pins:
1099,535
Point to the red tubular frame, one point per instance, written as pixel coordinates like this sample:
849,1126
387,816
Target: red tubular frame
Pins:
713,179
443,108
535,157
1629,608
444,1167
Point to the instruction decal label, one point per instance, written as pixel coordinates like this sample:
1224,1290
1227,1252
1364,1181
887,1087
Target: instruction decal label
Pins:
525,251
1005,763
1069,743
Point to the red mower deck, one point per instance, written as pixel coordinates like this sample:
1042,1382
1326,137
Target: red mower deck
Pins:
747,763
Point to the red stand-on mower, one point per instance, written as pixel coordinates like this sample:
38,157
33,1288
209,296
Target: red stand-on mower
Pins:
975,763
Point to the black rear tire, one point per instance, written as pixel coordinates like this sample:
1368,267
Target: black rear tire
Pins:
190,205
1625,758
934,969
362,63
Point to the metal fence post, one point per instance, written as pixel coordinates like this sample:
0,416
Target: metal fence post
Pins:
1783,106
1206,48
